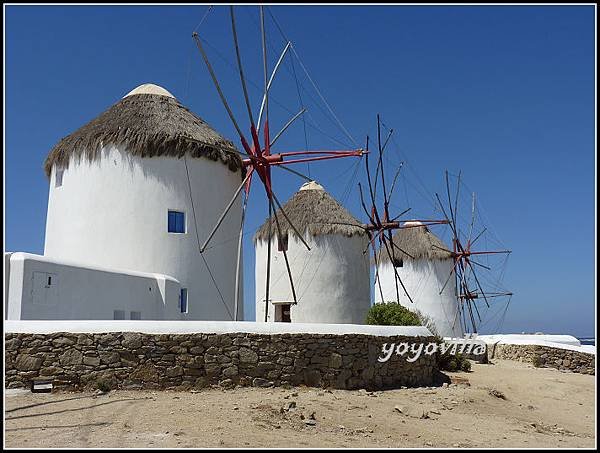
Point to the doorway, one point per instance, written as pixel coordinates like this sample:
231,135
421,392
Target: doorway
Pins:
283,313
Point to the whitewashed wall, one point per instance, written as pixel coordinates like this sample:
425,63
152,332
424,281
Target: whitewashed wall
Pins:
112,212
6,280
79,292
331,280
423,280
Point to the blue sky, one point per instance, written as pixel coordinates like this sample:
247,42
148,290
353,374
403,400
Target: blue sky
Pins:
504,94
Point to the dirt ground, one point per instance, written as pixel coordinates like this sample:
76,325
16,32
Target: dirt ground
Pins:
507,404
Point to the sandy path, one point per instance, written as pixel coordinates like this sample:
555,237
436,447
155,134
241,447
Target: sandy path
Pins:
543,408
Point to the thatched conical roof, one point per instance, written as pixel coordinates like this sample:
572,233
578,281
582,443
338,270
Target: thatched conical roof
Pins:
312,211
419,242
147,122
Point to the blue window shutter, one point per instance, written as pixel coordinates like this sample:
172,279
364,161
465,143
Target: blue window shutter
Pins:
183,300
176,222
171,228
180,223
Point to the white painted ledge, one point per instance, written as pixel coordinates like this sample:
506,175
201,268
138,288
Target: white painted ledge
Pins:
552,341
178,327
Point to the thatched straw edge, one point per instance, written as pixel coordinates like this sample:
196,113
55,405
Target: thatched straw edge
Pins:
145,140
419,242
312,212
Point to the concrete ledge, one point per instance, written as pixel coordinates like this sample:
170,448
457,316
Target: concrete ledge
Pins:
217,327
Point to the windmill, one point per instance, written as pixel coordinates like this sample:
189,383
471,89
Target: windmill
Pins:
381,226
257,154
475,280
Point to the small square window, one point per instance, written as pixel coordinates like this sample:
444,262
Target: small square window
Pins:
135,315
119,314
176,222
58,179
183,300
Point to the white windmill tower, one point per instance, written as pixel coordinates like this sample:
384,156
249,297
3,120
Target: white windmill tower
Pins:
423,264
330,280
138,187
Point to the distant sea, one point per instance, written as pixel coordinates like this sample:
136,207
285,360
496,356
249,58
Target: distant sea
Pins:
587,340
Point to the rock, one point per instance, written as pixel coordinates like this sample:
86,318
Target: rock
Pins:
312,377
226,384
50,371
247,356
174,371
132,340
260,382
71,357
91,361
26,362
109,357
12,344
62,342
230,371
84,340
145,373
212,369
335,360
310,422
127,358
497,394
201,382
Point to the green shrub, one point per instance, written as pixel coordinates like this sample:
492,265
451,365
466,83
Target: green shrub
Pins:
103,386
465,365
454,362
392,314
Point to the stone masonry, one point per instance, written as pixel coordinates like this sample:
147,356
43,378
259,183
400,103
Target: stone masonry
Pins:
544,356
186,361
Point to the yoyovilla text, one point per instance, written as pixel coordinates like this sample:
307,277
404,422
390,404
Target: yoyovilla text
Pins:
412,351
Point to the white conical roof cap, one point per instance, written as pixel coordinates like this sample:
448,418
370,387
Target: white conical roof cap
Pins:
413,223
312,185
150,88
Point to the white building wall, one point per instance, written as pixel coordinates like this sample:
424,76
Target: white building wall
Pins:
42,288
6,280
423,280
112,212
331,280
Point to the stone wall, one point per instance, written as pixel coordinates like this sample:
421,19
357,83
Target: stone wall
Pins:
185,361
545,356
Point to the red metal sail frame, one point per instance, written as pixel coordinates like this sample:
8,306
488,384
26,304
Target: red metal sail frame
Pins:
380,227
258,157
463,262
